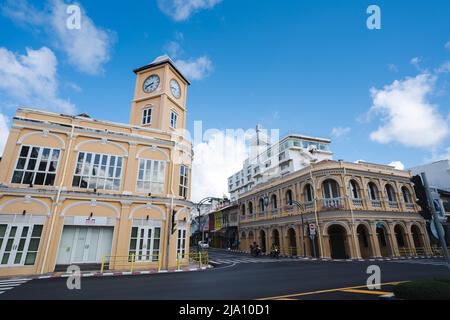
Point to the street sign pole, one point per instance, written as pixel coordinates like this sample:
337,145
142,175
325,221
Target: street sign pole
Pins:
437,221
312,235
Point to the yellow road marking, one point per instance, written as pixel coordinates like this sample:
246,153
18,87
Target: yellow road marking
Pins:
380,293
326,291
287,299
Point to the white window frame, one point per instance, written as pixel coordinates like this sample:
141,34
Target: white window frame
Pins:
149,165
105,178
145,250
173,119
184,181
181,242
17,241
36,170
147,116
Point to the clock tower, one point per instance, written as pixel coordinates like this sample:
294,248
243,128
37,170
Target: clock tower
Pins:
160,96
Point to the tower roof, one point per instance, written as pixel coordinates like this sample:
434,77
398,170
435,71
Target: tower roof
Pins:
160,61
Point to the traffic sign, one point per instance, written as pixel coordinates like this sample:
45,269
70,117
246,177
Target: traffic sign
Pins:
312,229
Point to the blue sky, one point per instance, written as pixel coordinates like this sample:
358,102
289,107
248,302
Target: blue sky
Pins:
302,66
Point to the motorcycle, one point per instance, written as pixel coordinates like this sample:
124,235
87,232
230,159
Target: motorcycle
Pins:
256,251
275,253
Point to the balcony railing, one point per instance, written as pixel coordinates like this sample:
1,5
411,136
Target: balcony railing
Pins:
288,208
261,213
274,212
243,218
409,206
309,205
393,204
332,203
376,203
357,202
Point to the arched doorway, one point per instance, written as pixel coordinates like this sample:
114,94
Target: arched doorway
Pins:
401,239
417,237
383,241
262,240
275,238
338,236
244,245
364,242
292,241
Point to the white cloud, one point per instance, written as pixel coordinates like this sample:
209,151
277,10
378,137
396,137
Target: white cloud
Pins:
4,131
215,160
407,116
392,67
444,67
340,132
416,62
88,48
31,79
447,45
196,69
397,165
180,10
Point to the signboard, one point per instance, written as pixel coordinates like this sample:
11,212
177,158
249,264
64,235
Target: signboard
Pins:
97,221
438,205
312,229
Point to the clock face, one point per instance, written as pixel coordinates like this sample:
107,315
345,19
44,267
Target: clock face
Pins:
175,88
152,83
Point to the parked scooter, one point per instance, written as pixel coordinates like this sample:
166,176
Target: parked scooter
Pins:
256,251
275,253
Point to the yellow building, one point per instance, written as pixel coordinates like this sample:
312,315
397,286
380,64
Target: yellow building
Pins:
74,190
358,210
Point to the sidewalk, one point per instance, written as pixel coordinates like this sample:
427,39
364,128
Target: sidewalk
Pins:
87,274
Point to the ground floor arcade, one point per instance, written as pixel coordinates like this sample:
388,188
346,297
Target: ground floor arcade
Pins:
341,238
39,235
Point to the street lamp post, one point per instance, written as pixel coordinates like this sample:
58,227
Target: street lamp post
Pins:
301,206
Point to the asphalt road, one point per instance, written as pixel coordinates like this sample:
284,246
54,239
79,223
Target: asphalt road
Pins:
232,281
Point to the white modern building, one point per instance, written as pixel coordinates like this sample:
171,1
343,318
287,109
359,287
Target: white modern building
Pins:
438,174
292,153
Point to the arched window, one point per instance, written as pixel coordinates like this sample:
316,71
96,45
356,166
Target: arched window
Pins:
406,195
274,202
373,191
390,193
289,199
354,189
330,189
250,208
308,193
243,209
261,205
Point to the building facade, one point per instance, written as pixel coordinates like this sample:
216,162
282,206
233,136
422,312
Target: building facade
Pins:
292,153
438,174
359,210
74,190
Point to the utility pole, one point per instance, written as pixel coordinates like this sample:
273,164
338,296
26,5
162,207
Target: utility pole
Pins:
437,222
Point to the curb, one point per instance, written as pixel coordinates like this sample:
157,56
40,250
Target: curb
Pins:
109,274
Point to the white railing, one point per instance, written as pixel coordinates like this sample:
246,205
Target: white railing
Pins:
333,203
393,204
376,203
357,202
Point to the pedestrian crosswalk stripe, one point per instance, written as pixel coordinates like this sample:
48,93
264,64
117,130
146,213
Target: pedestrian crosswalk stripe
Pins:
10,284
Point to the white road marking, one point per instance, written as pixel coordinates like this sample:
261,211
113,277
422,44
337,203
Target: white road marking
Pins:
10,284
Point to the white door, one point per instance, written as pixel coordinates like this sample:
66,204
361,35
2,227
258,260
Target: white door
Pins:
14,244
84,245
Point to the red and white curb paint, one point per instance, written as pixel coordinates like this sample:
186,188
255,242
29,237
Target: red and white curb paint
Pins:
113,274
